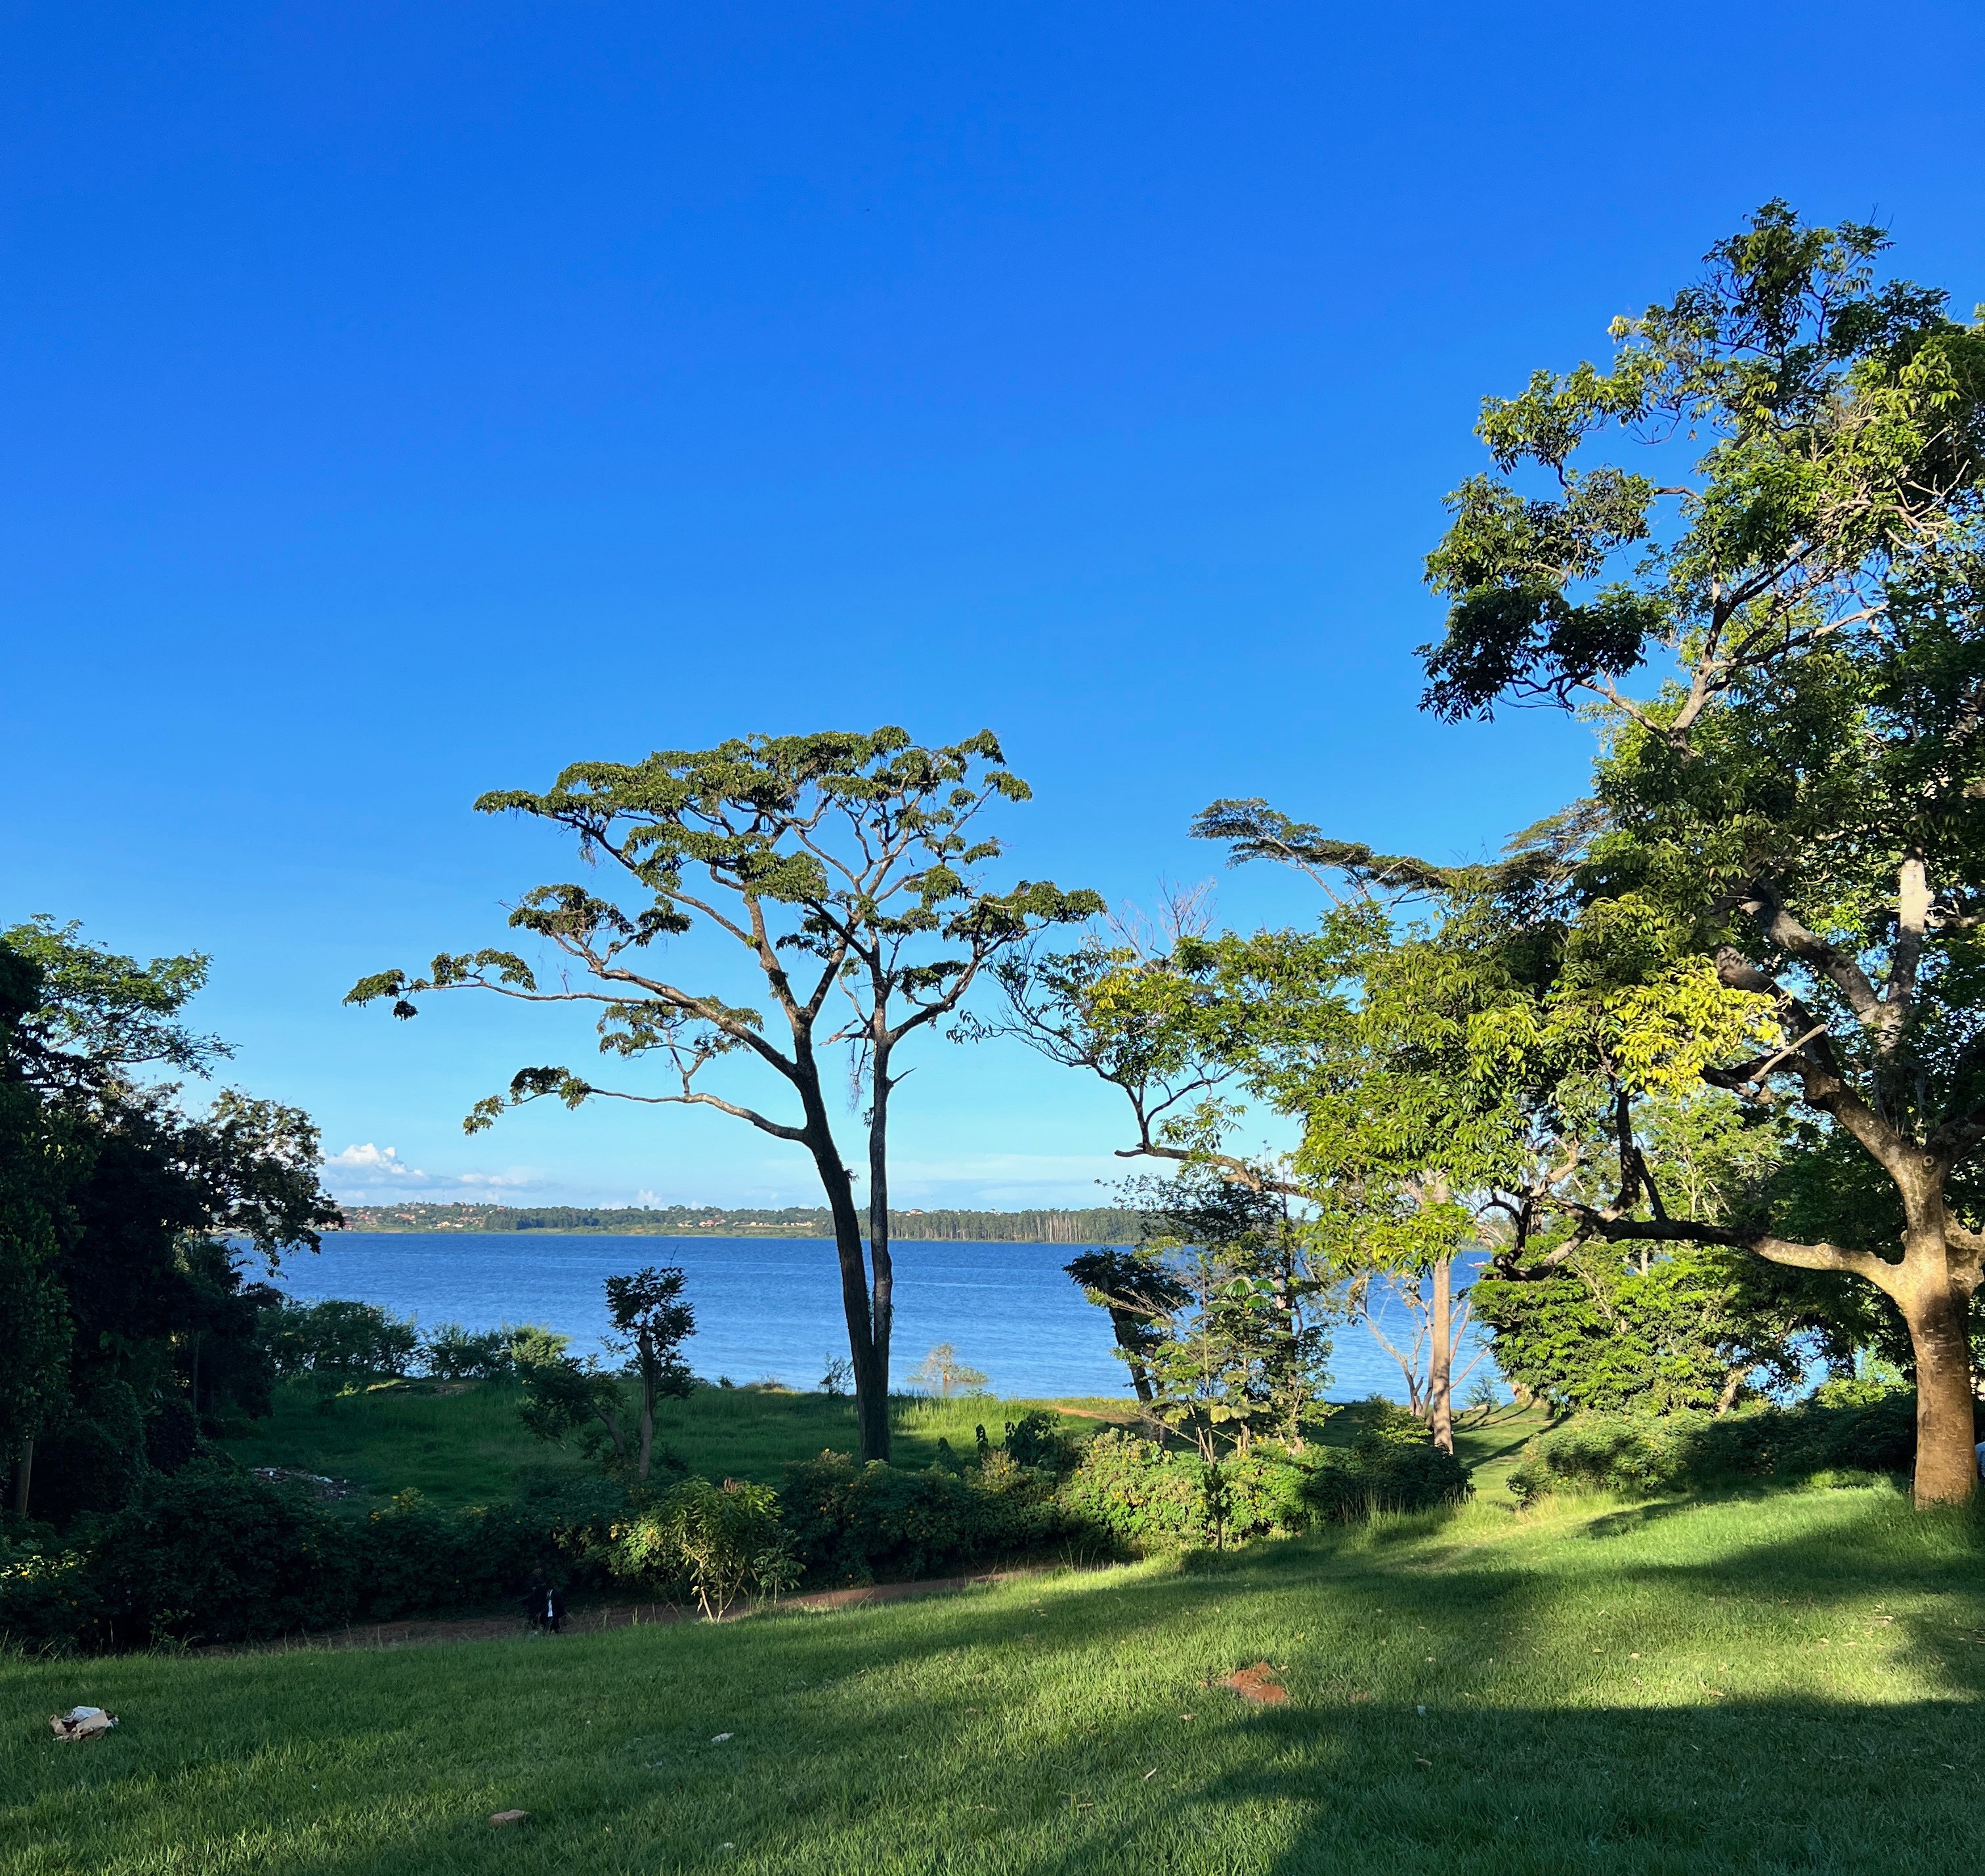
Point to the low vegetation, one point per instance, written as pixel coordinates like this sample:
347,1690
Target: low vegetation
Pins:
1594,1686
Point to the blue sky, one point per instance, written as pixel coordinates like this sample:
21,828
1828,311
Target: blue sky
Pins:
405,401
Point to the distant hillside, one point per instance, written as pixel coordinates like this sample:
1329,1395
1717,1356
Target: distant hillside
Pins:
1101,1224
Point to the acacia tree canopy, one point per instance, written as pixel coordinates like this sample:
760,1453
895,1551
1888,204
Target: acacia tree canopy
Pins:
845,867
1777,890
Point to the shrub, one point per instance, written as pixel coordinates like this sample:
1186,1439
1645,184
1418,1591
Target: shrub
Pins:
1384,1475
94,1460
452,1353
851,1523
722,1541
172,1434
1148,1499
212,1554
1145,1498
1648,1452
1038,1439
337,1337
1392,1465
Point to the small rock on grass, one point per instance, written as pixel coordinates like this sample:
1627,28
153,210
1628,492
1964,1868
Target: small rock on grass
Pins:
508,1816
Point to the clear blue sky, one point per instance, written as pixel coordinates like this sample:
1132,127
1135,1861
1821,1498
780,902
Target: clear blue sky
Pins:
403,401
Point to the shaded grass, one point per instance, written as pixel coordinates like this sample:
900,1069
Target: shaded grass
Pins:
1786,1683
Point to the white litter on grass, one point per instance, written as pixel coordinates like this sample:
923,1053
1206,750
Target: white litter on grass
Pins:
82,1722
719,1739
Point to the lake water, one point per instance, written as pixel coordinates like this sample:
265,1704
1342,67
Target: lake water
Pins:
769,1308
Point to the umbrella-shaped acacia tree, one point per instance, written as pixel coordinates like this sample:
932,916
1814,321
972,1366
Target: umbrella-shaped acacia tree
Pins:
843,865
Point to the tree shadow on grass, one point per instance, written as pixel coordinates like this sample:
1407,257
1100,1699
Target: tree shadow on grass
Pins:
957,1736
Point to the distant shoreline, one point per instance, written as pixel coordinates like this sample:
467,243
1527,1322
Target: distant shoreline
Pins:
1093,1224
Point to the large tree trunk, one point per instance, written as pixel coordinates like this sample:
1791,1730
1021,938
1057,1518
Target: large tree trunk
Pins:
871,1376
24,1475
882,1289
1440,1357
1946,1454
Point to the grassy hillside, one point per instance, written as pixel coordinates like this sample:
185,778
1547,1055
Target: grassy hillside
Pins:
462,1443
1783,1682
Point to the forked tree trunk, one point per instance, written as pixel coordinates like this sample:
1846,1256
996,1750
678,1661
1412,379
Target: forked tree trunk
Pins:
869,1362
1440,1357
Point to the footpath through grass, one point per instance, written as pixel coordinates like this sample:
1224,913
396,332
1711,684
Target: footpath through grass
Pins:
1788,1682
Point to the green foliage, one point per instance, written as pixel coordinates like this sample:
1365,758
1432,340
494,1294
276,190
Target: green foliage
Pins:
1146,1497
214,1554
1667,1452
1392,1465
1694,1328
723,1541
452,1353
1038,1440
338,1337
117,1281
1242,1355
854,1523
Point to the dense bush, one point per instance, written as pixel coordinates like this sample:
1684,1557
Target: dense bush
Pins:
1146,1498
718,1542
452,1353
1379,1474
338,1336
1641,1453
93,1460
1038,1439
214,1554
851,1523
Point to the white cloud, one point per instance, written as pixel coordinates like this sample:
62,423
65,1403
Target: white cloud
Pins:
370,1159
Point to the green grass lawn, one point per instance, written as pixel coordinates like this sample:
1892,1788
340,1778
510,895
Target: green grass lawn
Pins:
464,1444
467,1446
1787,1681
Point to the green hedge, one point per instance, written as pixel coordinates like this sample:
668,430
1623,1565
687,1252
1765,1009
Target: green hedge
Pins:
1649,1452
214,1554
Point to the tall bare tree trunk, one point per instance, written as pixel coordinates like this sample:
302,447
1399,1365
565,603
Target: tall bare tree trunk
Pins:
1440,1357
882,1306
24,1475
871,1377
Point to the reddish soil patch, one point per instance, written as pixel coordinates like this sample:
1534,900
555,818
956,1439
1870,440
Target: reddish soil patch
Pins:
1256,1685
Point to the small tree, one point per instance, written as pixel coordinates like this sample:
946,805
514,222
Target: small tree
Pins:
942,1374
1140,1295
652,1322
564,1395
842,866
1242,1355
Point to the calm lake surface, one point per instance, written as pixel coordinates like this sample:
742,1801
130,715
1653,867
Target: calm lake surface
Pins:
769,1308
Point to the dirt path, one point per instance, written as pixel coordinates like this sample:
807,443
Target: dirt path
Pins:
596,1617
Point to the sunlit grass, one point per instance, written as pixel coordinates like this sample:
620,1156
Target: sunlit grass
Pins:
468,1446
1787,1681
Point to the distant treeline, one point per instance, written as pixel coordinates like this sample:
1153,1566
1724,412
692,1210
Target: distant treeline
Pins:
1101,1224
